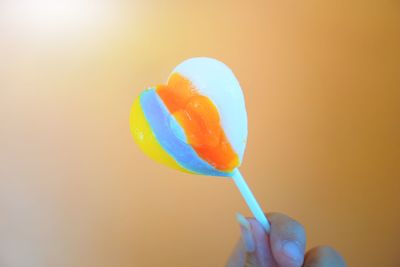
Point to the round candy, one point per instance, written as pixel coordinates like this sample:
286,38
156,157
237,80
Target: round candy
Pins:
196,122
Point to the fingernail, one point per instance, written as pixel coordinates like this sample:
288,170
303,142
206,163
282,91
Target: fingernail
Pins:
292,251
247,236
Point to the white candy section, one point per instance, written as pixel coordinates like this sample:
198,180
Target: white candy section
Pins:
216,81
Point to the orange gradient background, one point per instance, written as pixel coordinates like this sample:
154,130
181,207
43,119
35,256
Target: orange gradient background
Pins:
322,87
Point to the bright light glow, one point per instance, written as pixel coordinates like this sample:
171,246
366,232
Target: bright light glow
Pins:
55,16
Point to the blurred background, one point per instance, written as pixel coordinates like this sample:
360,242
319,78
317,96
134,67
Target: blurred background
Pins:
322,87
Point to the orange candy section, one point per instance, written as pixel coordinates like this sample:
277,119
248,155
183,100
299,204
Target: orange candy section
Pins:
200,120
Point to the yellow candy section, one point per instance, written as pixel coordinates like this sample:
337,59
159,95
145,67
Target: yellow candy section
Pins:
144,137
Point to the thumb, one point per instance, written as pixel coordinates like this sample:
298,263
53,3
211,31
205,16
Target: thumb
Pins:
244,252
253,249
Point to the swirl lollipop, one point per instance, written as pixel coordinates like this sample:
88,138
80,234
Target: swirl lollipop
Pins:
196,123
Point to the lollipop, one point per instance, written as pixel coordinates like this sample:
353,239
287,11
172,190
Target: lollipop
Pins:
196,123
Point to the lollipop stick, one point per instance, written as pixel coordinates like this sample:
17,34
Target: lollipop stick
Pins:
250,199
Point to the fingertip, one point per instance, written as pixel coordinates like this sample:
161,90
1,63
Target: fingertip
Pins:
287,240
288,253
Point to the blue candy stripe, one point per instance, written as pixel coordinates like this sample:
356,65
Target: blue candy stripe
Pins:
159,119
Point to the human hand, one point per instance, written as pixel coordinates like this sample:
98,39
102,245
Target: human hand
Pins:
284,246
